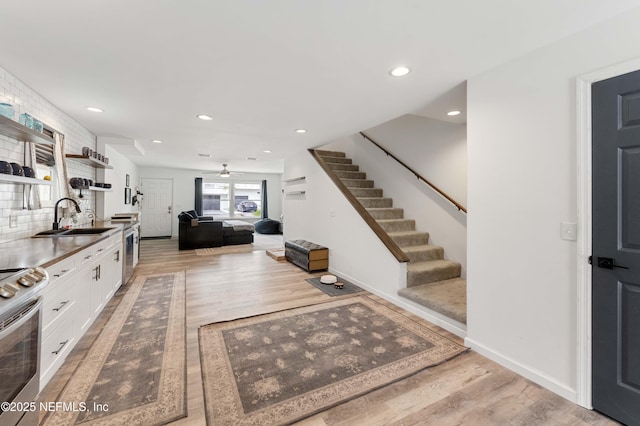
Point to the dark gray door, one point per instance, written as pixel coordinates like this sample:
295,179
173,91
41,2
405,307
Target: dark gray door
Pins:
616,247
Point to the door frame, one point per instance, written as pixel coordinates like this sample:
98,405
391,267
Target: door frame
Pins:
584,237
173,192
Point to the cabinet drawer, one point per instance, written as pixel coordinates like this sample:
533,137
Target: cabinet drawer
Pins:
61,269
59,300
55,349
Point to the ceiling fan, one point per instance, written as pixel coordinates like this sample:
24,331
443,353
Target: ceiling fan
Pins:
225,173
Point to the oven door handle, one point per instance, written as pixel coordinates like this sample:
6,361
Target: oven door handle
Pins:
25,312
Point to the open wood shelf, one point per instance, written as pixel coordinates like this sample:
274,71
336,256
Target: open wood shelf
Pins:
89,160
26,180
15,130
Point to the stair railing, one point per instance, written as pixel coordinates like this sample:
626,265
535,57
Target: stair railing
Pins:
418,175
373,224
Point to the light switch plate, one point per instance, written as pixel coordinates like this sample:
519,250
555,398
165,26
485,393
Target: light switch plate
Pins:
13,221
569,231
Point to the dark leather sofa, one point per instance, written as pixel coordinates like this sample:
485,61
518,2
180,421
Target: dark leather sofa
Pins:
204,232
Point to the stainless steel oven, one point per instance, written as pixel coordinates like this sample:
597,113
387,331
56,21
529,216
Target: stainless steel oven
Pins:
20,328
19,364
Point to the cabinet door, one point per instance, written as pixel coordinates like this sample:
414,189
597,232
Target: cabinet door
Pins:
136,248
116,268
89,297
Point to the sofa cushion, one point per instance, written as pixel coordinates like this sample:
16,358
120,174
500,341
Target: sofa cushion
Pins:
184,217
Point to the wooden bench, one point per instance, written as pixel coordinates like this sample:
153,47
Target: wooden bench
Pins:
307,255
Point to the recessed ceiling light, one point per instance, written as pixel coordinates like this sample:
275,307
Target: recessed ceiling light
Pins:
205,155
454,112
204,117
399,71
157,141
301,131
267,151
94,109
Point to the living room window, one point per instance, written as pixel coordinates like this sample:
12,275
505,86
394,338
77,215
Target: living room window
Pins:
231,199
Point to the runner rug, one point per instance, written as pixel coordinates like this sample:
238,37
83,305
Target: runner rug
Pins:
135,372
281,367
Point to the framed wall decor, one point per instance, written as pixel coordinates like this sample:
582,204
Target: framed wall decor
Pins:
127,181
127,195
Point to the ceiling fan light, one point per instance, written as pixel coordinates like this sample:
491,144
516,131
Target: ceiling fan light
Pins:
224,174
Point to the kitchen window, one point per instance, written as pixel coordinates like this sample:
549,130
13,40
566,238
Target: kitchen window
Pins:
46,166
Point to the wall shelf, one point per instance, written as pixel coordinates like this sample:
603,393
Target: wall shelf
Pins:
98,189
89,160
294,179
15,130
25,180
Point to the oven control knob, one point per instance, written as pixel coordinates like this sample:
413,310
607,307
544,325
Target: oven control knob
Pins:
6,293
24,281
33,277
39,271
11,287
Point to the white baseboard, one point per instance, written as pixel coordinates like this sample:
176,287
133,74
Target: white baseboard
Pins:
527,372
427,314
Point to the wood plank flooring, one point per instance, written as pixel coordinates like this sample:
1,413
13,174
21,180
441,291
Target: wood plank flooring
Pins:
468,390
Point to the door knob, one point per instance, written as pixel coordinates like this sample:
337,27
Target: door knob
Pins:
609,263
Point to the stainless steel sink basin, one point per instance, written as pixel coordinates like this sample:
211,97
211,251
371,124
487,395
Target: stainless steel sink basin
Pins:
71,232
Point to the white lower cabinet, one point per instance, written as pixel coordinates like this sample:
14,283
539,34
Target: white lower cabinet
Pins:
79,288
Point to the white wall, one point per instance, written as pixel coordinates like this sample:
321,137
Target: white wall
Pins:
184,189
522,293
434,148
108,203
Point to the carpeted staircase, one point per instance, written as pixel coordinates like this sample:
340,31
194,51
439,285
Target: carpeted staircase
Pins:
432,281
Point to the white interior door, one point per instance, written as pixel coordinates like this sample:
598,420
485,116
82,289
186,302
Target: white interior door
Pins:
156,207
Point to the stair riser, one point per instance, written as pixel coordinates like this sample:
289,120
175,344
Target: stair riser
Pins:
434,253
376,202
357,183
437,274
349,167
350,175
387,213
323,153
337,160
399,226
366,192
418,239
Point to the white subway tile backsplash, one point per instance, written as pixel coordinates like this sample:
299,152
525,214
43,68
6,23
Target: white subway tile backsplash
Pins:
26,100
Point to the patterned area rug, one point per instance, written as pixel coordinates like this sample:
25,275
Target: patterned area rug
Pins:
281,367
137,365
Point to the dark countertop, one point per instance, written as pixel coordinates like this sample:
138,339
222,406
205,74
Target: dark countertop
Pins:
45,251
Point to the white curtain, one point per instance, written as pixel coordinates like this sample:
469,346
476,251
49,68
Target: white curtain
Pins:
61,169
33,197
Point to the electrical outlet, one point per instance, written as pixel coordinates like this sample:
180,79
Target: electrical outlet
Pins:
13,221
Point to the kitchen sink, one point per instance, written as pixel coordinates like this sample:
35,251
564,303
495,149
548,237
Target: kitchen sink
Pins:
71,232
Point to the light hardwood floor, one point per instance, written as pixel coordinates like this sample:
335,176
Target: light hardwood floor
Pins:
468,390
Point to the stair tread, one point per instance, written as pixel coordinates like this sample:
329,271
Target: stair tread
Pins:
428,265
395,220
423,247
403,233
448,297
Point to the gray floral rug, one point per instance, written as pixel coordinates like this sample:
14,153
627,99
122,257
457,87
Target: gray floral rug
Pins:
281,367
135,372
